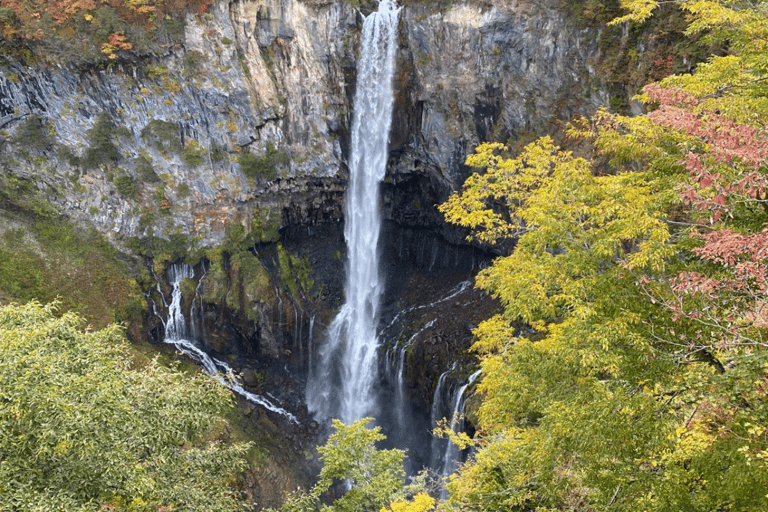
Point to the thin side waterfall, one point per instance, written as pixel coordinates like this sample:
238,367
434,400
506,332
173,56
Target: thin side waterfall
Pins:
342,386
451,457
177,334
398,369
438,412
311,344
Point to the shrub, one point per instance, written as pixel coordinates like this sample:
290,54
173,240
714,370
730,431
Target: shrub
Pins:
125,184
33,134
102,150
145,169
262,166
193,154
182,190
165,135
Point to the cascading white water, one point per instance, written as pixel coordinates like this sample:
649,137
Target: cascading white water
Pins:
176,334
451,458
436,414
343,386
176,325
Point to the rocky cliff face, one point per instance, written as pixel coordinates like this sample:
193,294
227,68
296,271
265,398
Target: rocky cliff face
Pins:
250,115
476,72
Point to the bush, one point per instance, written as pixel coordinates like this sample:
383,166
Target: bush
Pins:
102,150
33,134
165,135
125,184
182,190
263,166
193,154
145,169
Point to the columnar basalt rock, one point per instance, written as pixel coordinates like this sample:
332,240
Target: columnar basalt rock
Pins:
476,72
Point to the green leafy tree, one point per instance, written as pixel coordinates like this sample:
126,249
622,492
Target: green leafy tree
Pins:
82,429
374,477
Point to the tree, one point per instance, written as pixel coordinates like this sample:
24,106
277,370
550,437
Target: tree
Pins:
373,477
643,384
82,429
582,241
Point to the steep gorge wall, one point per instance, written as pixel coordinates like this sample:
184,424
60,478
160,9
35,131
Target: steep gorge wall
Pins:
238,138
274,79
476,72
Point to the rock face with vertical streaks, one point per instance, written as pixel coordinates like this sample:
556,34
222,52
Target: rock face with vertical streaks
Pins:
252,113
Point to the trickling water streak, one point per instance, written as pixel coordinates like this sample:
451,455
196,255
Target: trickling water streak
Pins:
343,388
196,312
437,448
399,375
176,335
310,345
456,291
451,458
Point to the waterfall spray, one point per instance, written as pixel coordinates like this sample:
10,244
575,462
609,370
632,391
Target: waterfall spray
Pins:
342,387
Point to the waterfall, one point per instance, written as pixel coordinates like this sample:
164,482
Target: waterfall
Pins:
436,414
176,334
176,325
451,457
343,386
311,345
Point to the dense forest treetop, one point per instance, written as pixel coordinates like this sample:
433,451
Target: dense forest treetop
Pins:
87,31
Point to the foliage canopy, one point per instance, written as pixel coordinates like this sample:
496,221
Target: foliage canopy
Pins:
373,478
81,429
642,382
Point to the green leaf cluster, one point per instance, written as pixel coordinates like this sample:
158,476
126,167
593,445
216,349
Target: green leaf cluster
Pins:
374,477
84,430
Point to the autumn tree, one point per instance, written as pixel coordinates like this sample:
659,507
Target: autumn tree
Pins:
374,478
642,381
559,408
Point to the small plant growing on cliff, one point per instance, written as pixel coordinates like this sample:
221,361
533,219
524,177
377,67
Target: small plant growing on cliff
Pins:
264,166
182,190
193,154
125,184
33,134
165,135
102,150
145,169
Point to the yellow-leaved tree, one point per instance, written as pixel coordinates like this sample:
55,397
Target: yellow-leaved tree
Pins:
641,382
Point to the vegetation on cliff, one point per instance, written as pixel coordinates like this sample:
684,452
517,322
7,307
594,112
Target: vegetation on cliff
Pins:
643,279
45,256
88,31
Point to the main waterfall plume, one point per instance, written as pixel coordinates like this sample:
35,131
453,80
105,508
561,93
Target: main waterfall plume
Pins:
342,386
